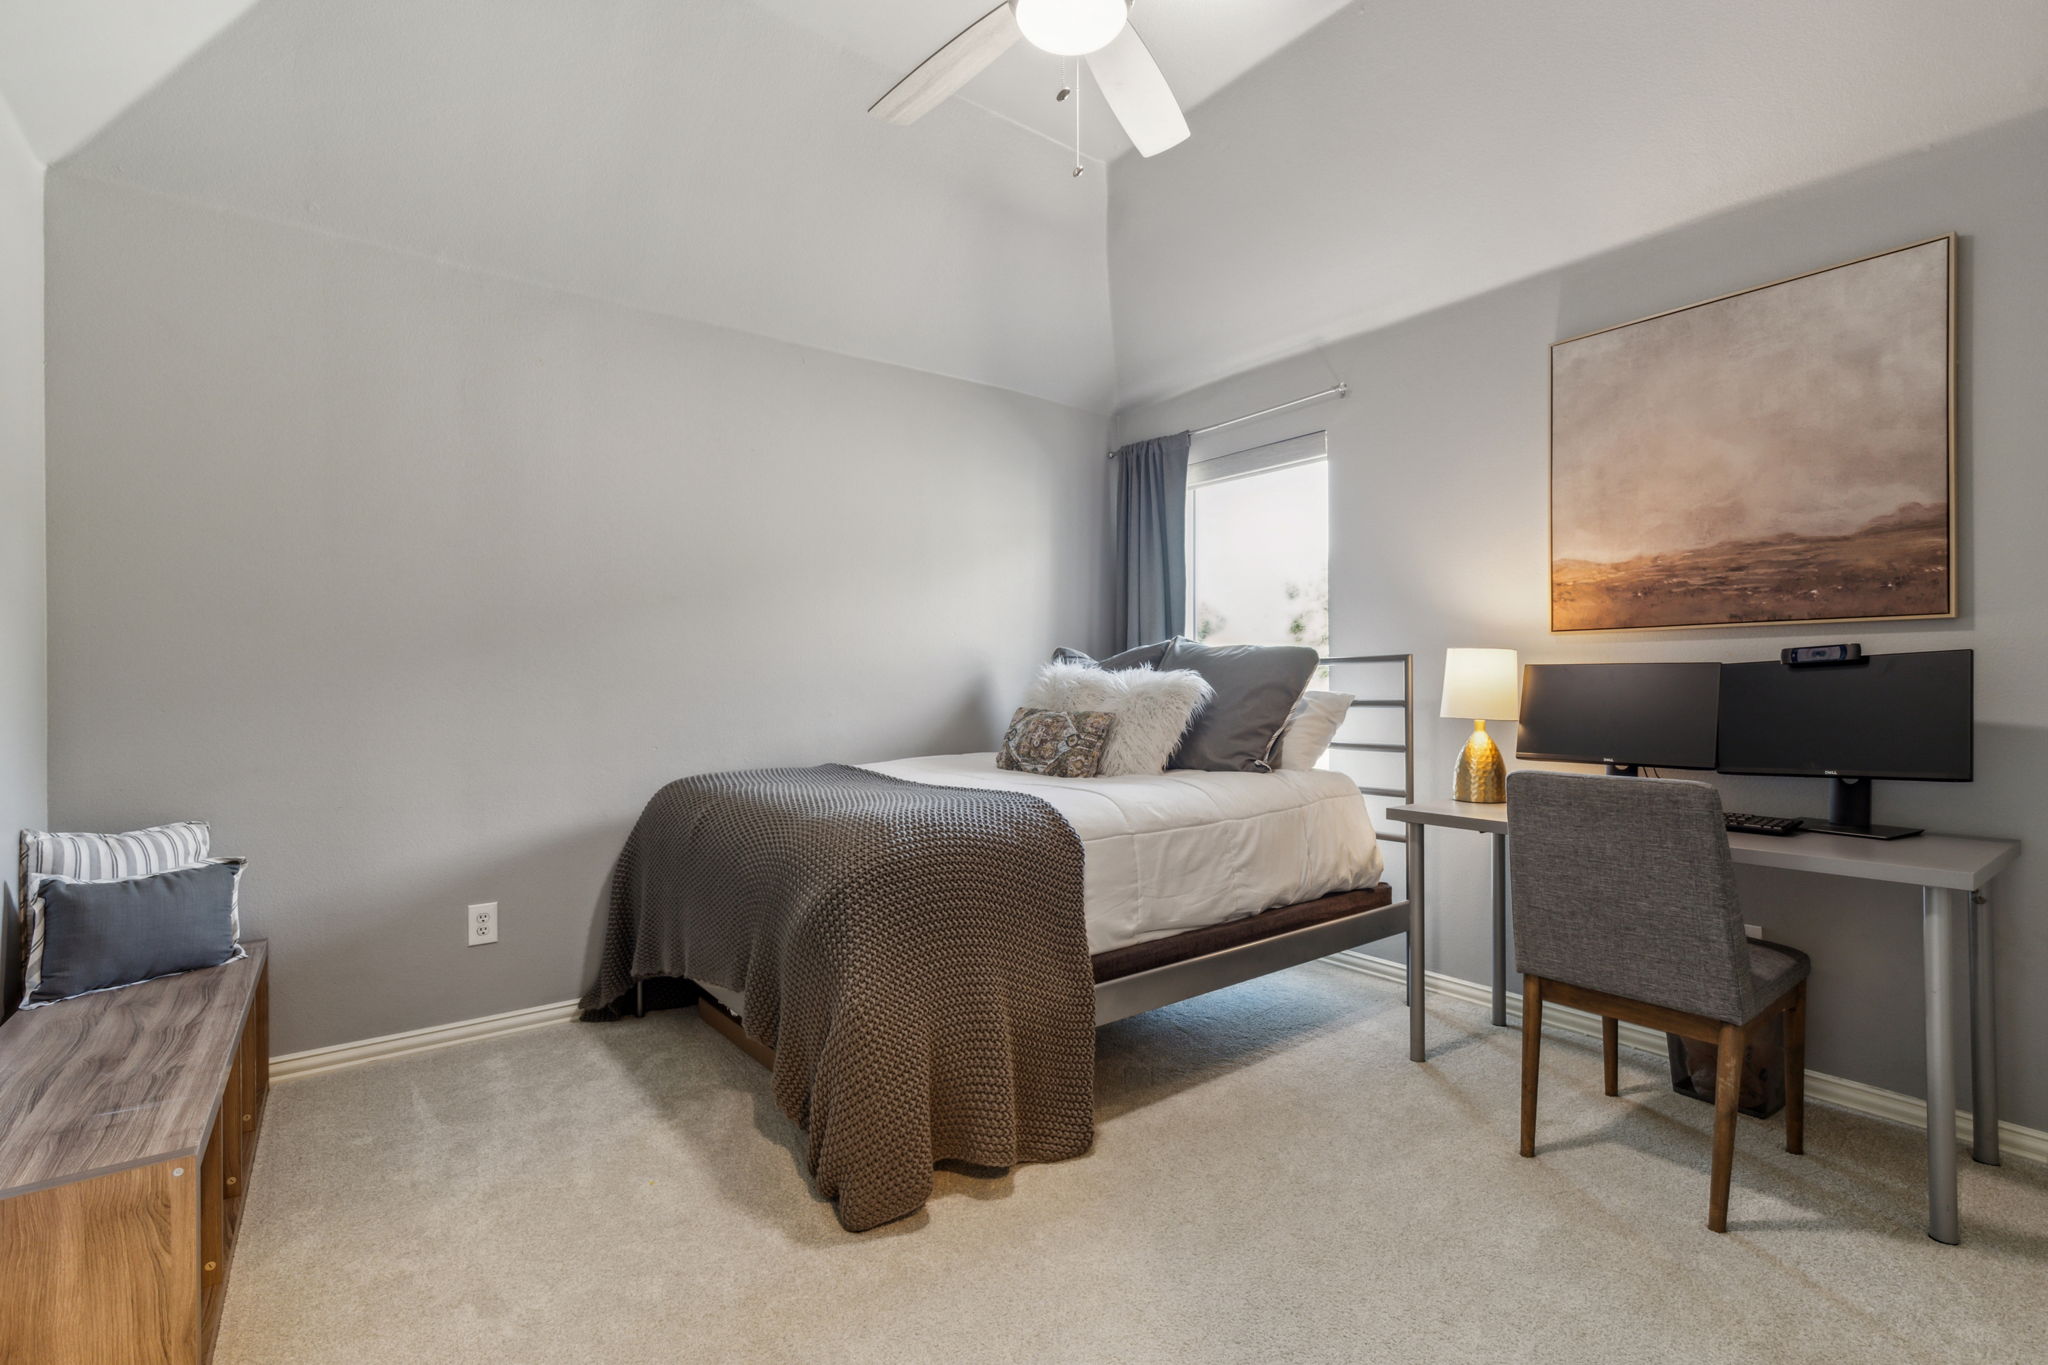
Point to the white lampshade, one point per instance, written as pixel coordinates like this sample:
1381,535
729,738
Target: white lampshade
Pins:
1482,684
1071,28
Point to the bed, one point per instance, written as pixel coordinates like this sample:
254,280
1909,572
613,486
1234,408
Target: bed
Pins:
880,1029
1182,851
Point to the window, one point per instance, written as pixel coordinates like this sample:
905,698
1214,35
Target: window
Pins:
1259,546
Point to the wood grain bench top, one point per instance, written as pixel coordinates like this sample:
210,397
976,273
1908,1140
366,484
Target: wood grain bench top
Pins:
119,1079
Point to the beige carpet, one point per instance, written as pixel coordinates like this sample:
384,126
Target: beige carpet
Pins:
1272,1181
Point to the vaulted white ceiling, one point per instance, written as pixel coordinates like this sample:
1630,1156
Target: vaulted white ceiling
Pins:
707,159
1202,45
711,160
1412,153
68,67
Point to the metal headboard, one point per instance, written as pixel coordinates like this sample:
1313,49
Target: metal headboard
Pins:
1406,748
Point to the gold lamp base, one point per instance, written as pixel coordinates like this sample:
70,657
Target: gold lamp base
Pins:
1482,776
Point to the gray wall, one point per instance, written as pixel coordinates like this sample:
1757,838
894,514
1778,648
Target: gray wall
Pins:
22,666
418,581
1439,491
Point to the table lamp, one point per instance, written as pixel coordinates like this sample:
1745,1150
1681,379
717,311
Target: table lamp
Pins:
1481,685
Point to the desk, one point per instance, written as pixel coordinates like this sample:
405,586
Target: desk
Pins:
1952,874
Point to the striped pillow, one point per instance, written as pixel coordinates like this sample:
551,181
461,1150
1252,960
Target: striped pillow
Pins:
99,858
114,857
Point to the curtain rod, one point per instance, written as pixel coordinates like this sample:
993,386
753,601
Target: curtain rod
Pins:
1334,391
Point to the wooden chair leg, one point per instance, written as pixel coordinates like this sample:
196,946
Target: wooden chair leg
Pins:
1532,1056
1727,1094
1610,1053
1795,1072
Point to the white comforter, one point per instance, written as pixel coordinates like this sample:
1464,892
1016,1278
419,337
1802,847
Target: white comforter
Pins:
1181,850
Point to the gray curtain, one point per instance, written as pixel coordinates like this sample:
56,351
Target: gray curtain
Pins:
1151,539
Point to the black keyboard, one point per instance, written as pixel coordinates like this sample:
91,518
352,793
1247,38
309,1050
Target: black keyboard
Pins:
1740,823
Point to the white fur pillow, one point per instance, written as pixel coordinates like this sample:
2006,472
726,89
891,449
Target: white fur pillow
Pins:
1308,732
1152,710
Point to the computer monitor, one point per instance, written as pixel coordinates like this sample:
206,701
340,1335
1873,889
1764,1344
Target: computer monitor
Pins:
1627,716
1906,716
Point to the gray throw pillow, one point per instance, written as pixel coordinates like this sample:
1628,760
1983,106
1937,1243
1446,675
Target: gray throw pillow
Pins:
1256,688
1144,656
98,935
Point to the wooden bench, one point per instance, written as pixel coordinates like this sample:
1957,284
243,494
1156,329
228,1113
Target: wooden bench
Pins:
128,1120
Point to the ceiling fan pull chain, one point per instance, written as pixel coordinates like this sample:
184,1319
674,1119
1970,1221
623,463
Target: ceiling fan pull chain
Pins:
1076,87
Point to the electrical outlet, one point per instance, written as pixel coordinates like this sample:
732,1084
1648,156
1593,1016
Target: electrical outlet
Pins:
483,924
1752,930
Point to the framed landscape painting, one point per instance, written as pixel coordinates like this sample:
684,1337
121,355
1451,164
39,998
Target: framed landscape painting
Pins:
1783,454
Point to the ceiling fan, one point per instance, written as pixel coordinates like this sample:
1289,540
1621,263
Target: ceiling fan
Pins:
1098,30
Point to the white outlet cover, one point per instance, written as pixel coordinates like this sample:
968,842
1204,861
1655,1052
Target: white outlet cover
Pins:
1753,930
483,924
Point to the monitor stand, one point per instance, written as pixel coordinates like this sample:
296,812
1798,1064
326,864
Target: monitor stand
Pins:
1849,813
1624,770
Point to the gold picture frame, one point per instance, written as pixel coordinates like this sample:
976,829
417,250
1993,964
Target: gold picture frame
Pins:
1769,456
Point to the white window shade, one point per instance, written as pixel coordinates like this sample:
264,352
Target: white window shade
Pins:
1259,459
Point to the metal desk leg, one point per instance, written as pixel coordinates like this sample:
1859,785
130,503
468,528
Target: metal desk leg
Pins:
1983,1038
1500,931
1940,910
1415,942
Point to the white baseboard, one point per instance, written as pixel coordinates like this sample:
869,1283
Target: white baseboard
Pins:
1854,1096
297,1064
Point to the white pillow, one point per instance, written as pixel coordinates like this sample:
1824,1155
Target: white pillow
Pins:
1310,727
1152,710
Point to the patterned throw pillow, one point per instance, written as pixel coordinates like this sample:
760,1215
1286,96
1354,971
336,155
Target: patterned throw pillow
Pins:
1056,743
1152,710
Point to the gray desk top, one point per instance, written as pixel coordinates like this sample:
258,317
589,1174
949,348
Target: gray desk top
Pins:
1943,860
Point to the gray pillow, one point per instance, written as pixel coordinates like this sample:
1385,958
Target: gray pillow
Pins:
1256,689
97,935
1144,656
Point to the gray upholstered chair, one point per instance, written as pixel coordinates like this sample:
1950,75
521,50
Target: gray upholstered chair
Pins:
1625,906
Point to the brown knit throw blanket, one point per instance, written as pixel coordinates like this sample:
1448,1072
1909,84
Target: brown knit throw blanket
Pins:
915,955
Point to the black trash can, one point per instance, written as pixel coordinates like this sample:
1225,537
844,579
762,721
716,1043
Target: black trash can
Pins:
1693,1065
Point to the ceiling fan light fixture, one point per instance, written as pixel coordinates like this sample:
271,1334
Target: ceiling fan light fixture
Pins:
1071,28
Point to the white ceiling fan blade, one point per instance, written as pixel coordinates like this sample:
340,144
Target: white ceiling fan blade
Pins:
1138,94
951,67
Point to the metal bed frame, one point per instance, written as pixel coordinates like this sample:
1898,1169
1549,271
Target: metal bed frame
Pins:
1134,994
1124,996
